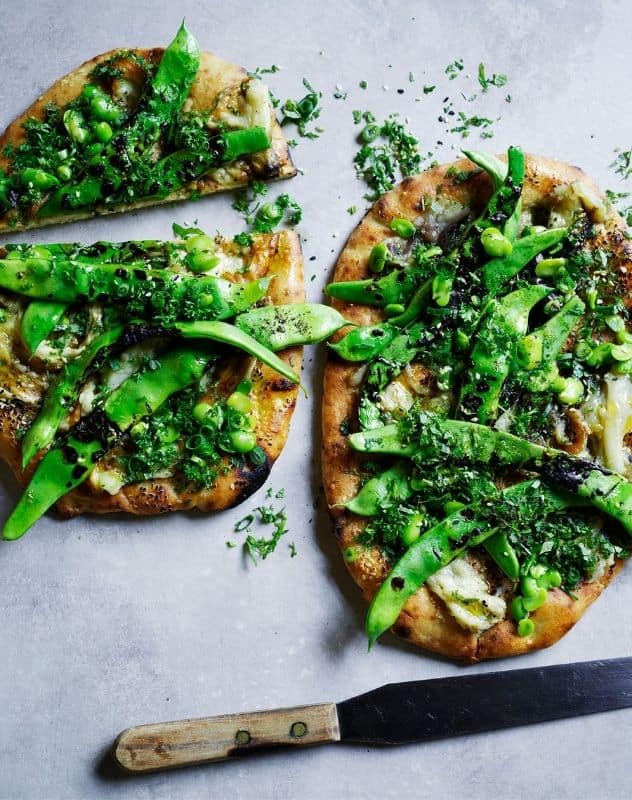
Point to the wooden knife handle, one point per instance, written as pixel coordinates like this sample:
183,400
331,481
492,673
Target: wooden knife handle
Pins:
164,745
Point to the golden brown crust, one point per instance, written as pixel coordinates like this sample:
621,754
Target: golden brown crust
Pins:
214,76
425,620
274,397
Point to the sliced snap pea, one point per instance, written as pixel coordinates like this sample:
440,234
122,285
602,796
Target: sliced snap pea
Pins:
279,326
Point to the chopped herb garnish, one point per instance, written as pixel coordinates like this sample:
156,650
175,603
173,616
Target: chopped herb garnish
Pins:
429,89
259,548
497,79
363,84
304,111
622,164
454,69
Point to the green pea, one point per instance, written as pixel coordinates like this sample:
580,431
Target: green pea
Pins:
350,554
394,309
244,386
64,173
378,256
529,586
622,367
103,131
239,402
105,109
550,579
201,410
572,391
525,627
536,600
202,261
243,441
403,227
451,506
530,351
199,243
75,124
549,267
370,133
441,289
517,609
495,243
38,178
412,529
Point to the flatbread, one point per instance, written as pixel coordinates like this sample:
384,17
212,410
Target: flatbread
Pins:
23,383
219,85
425,620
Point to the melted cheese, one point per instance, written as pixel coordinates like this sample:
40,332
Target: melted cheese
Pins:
466,595
245,106
617,421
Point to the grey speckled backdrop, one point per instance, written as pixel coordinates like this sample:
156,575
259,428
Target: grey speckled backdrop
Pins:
111,622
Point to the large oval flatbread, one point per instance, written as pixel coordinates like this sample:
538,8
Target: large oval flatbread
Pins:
220,87
425,620
22,386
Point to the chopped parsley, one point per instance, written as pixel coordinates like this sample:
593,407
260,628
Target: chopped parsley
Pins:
303,112
258,548
497,79
622,164
392,152
454,69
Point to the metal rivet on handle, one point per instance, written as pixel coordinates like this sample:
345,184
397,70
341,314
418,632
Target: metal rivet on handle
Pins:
242,737
298,730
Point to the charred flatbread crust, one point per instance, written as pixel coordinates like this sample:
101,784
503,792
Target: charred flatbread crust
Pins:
215,76
274,397
425,620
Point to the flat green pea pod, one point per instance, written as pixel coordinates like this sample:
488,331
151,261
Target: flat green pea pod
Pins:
498,271
363,344
175,75
392,485
500,549
425,437
279,326
70,281
230,335
494,167
538,352
39,321
62,394
436,548
495,351
396,287
70,464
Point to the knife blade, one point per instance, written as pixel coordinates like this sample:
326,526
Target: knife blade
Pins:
397,713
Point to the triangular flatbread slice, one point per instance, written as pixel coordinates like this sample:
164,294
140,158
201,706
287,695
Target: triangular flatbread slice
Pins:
133,128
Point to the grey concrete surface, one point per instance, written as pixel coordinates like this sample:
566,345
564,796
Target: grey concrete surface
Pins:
109,622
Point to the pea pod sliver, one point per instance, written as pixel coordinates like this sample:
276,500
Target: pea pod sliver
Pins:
230,335
498,271
280,326
39,321
61,395
68,465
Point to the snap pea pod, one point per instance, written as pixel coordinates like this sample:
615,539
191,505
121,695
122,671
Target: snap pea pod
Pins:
498,271
494,167
39,321
431,437
70,464
280,326
495,351
69,281
503,553
230,335
540,349
364,343
437,547
393,484
62,394
174,77
396,287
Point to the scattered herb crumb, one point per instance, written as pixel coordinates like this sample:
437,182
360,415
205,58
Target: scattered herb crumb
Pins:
411,77
622,164
454,69
497,79
258,548
363,84
429,89
265,217
352,210
304,111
